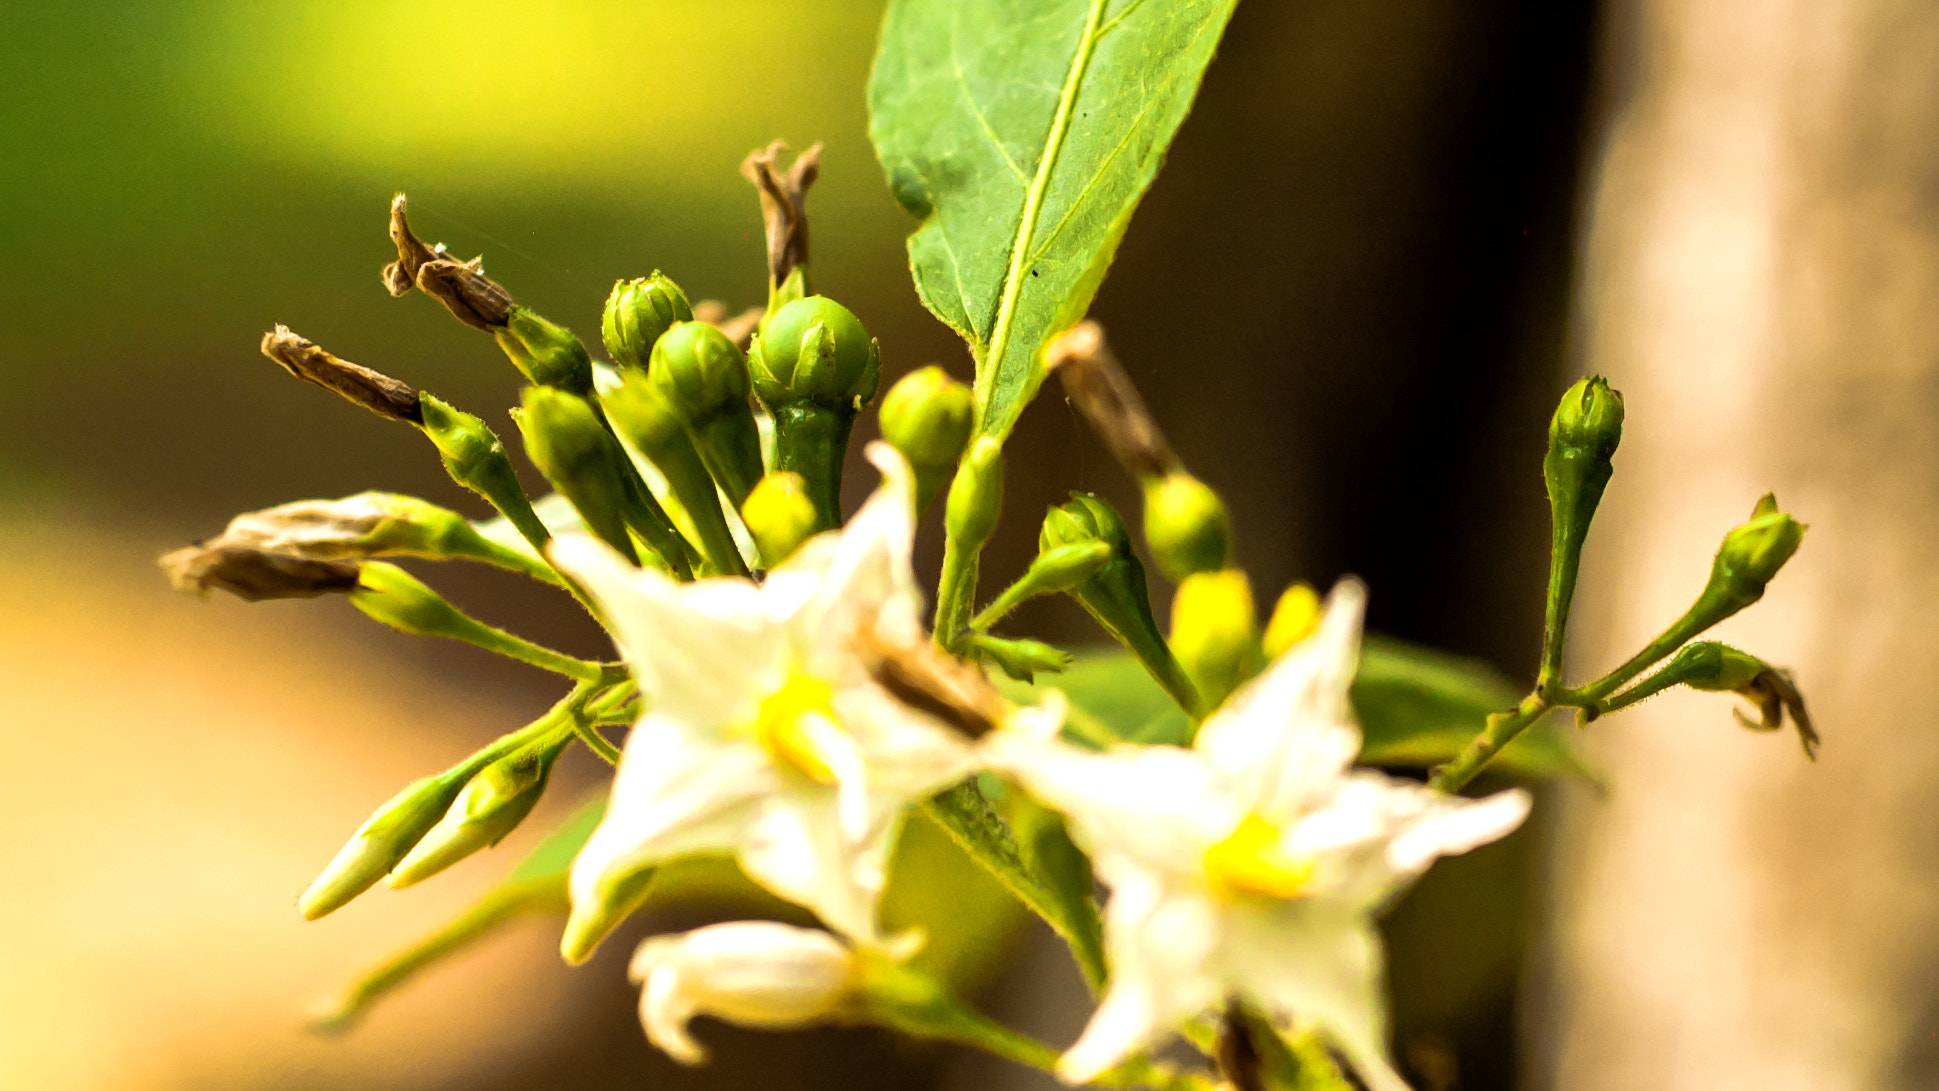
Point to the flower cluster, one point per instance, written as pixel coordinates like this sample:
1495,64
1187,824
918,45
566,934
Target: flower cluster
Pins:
786,706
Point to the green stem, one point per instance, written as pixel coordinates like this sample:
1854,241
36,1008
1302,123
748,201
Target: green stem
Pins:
956,590
812,440
512,647
1698,618
1501,730
1565,563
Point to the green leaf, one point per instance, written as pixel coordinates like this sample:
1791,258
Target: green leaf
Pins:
1023,133
536,885
1417,708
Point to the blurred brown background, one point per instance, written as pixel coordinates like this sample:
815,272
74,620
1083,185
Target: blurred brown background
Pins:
1388,235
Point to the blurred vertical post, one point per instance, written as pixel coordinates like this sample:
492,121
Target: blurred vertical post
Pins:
1760,280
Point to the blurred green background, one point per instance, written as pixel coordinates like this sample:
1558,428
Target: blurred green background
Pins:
1345,299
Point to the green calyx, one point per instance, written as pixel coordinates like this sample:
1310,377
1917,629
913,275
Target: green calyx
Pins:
1752,554
814,350
637,313
545,352
702,378
1116,595
1186,525
475,459
928,417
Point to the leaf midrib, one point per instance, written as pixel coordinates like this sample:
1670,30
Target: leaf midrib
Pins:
1032,207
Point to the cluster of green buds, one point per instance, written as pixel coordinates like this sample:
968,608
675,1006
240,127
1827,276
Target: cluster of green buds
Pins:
660,454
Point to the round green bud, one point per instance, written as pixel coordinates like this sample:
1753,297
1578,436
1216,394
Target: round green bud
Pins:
1082,518
1186,525
1714,666
699,372
928,416
815,350
1754,552
780,515
976,497
637,313
546,352
1589,419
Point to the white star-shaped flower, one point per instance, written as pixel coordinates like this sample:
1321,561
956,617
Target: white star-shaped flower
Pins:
1249,866
764,735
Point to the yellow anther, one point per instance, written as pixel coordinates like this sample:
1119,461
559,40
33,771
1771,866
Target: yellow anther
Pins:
796,723
1251,861
1294,618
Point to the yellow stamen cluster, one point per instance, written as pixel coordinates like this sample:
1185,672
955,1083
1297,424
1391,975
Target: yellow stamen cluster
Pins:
1251,861
796,723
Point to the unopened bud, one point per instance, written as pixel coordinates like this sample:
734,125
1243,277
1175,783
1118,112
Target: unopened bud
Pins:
1186,526
928,416
1715,667
545,352
475,458
256,575
641,416
491,806
1583,434
569,445
784,207
379,393
976,496
1115,595
472,297
384,838
814,350
1057,569
1022,660
1295,617
701,375
637,313
1214,632
1752,554
400,600
754,973
779,515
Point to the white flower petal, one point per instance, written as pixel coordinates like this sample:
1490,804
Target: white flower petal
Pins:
697,650
905,751
672,795
1454,826
1289,732
756,973
1158,943
796,848
1308,963
867,578
1162,806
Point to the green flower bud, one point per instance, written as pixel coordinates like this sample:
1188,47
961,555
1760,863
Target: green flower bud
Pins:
546,352
637,313
1583,434
381,842
491,806
1185,525
400,600
976,496
566,441
1214,632
476,459
697,370
642,417
1058,569
1752,554
1020,659
1115,595
814,350
928,417
779,515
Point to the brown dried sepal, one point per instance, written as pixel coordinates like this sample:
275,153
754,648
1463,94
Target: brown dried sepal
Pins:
255,575
389,398
1235,1052
1774,695
784,203
937,685
462,286
400,276
1101,390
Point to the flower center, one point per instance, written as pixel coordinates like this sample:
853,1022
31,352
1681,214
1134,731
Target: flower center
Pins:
796,724
1251,861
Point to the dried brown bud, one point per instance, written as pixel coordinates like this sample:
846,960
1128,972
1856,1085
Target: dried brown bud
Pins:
254,575
377,392
1236,1052
400,276
921,676
1774,694
472,297
783,204
1101,390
